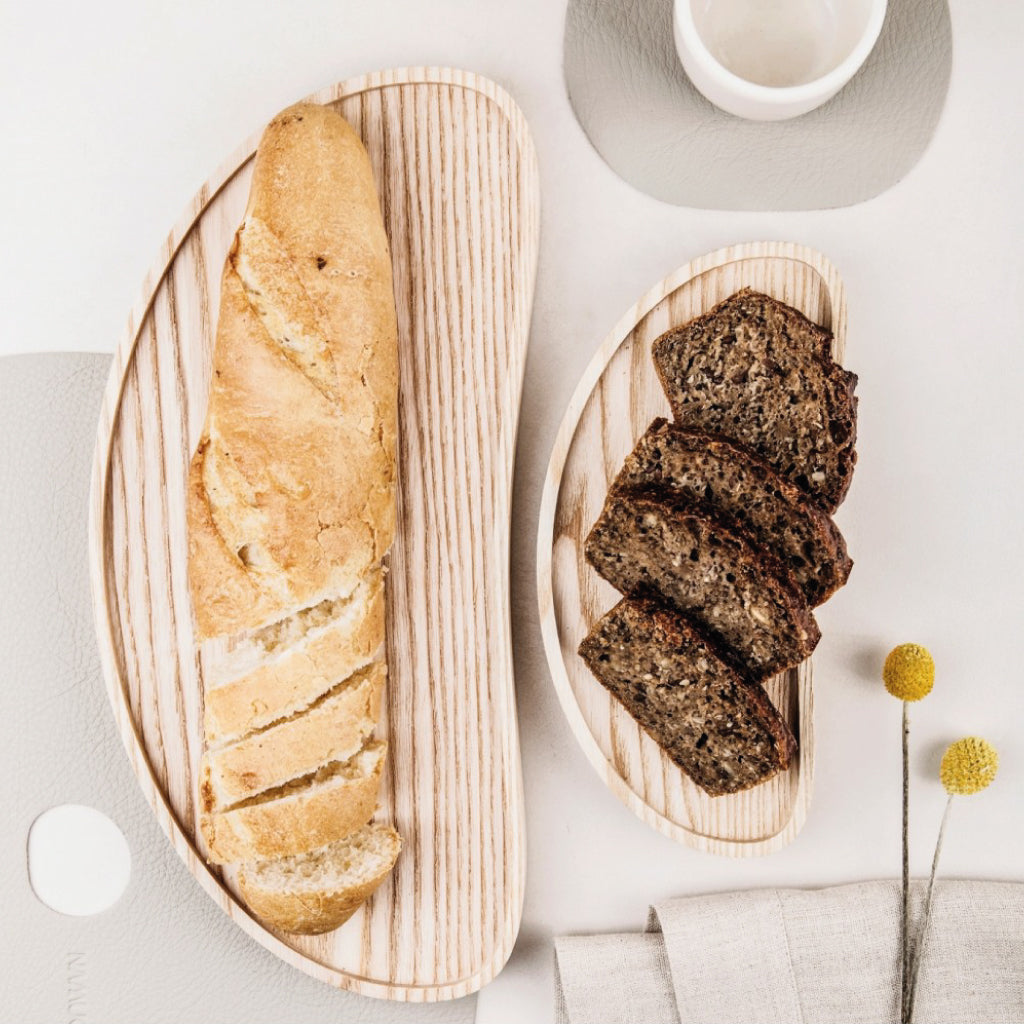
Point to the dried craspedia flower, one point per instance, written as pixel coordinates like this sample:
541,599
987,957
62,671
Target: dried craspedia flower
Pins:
909,672
968,766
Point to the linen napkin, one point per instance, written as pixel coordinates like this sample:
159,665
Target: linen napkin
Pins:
789,956
164,952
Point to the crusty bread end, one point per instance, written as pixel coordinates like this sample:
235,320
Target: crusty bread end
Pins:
319,891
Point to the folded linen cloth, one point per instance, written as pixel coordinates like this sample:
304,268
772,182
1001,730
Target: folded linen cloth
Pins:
792,956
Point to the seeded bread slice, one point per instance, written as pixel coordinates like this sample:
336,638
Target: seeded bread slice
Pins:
302,814
747,601
714,722
759,372
744,488
320,890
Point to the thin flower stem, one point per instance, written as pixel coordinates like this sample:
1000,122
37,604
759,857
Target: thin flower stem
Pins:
923,933
905,962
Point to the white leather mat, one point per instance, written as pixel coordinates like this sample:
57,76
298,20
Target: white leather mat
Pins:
656,131
163,952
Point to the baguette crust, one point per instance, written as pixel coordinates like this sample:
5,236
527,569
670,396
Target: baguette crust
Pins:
299,677
335,729
313,911
298,820
291,489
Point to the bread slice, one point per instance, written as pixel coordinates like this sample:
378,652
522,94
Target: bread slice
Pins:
280,670
318,891
714,722
742,487
333,729
300,815
759,372
747,602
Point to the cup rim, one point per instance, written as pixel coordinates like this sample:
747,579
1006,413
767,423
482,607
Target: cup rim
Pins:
834,79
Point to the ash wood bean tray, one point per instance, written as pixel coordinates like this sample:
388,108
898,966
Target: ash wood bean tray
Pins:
612,406
457,177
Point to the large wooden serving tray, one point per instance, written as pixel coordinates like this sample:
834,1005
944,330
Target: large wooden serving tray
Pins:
612,406
457,176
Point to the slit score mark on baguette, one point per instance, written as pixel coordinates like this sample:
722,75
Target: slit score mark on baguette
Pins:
228,488
277,296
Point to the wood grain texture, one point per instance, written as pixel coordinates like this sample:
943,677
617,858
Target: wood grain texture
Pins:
612,406
457,175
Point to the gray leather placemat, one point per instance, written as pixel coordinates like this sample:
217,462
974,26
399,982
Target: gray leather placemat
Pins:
656,131
164,952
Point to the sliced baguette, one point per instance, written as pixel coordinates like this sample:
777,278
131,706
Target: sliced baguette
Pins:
333,729
301,815
306,668
320,890
291,511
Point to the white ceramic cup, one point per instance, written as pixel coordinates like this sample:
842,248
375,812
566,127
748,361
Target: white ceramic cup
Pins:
768,60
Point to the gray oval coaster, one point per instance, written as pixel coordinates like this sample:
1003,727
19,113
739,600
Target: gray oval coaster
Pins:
656,131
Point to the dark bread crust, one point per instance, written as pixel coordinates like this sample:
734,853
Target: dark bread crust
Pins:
710,718
703,565
759,372
743,487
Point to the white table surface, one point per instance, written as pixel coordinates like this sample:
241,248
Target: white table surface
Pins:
115,112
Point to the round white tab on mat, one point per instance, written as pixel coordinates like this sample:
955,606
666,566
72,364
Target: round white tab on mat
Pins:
78,860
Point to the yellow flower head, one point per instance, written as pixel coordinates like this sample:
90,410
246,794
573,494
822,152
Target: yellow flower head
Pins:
909,672
968,766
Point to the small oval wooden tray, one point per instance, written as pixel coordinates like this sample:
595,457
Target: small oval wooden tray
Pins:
457,176
612,406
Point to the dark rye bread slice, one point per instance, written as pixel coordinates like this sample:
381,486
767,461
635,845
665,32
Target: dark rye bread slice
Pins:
757,371
748,602
711,720
742,486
